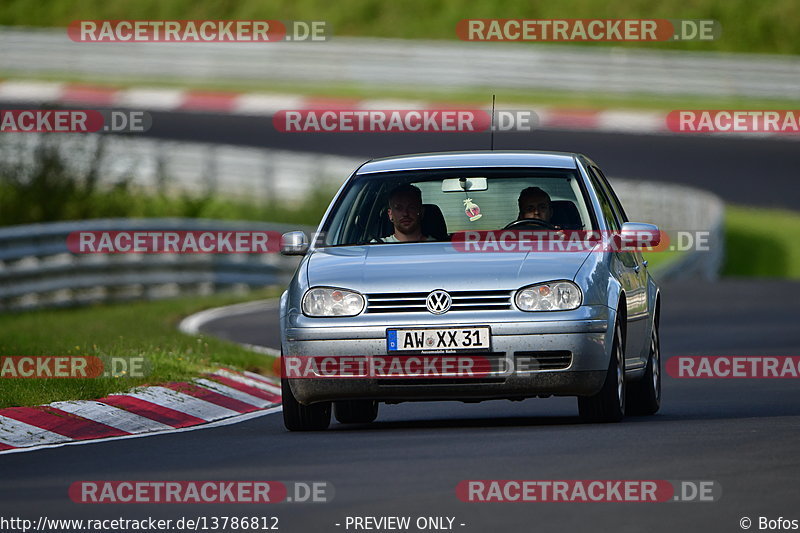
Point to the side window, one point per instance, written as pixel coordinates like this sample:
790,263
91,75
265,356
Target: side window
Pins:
613,211
612,195
605,204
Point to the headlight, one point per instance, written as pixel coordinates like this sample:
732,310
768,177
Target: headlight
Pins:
551,296
328,301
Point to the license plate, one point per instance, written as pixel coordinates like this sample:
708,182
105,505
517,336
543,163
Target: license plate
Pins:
440,340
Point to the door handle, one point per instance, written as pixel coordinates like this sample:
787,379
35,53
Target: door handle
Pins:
636,268
645,263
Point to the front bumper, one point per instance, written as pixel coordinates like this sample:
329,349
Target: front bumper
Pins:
583,333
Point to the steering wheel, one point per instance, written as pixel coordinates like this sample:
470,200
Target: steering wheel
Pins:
528,222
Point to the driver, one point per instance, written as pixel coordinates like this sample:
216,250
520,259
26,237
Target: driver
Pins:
405,212
534,203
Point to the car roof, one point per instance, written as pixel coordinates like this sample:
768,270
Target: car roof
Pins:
471,159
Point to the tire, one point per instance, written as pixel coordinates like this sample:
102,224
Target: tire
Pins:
644,396
299,417
608,405
355,411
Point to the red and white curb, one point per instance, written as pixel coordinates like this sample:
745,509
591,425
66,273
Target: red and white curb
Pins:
263,104
258,104
223,397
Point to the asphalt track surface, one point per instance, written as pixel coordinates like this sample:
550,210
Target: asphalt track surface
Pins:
740,433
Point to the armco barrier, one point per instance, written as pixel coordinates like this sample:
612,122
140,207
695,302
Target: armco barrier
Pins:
253,174
677,207
37,269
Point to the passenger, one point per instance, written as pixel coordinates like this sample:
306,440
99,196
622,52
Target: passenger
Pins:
405,212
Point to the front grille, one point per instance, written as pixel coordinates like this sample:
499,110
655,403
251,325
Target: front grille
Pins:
546,360
414,302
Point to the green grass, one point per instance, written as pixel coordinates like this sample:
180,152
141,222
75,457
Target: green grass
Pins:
660,260
140,329
759,243
762,243
769,26
470,97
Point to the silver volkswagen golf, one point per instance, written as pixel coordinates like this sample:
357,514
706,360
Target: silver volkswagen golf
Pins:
470,276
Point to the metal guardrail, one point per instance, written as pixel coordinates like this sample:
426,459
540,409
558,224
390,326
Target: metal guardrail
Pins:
256,175
410,63
679,208
38,270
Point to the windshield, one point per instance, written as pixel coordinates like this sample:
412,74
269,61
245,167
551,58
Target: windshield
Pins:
432,205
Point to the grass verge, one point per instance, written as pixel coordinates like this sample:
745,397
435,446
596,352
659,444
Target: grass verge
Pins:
146,329
761,242
660,260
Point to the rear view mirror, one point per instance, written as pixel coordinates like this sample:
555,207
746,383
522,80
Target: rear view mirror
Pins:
464,184
639,236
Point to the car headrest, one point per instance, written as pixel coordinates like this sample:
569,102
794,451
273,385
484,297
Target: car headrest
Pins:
565,215
386,227
433,223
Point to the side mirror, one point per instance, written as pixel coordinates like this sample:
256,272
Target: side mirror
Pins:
638,236
294,243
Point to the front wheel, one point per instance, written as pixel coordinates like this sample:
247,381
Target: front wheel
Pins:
644,396
608,405
355,411
299,417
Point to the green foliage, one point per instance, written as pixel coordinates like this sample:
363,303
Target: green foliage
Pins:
768,26
50,188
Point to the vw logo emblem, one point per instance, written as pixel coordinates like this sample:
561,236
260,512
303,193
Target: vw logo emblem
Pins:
438,302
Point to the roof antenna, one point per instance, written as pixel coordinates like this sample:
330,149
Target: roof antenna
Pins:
491,133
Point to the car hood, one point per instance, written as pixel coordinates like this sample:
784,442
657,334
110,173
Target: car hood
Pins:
421,267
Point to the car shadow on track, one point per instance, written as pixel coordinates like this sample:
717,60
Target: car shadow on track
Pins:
459,423
558,421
